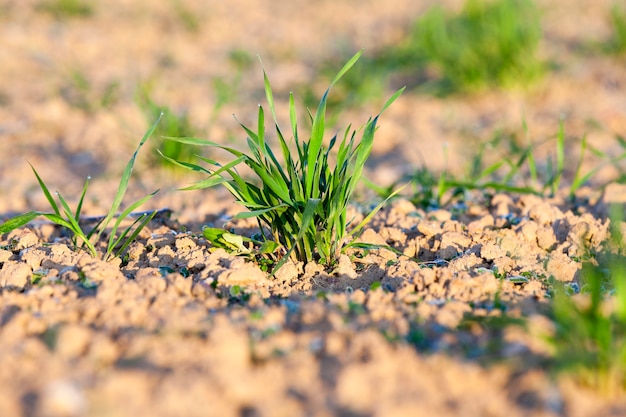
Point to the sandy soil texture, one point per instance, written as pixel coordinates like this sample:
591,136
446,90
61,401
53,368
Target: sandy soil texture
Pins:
180,328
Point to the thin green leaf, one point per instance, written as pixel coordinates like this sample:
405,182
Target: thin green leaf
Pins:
124,215
118,239
372,213
393,98
138,229
46,192
79,208
255,213
121,190
183,164
18,221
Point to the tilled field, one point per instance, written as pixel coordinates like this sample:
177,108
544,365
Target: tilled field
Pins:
178,327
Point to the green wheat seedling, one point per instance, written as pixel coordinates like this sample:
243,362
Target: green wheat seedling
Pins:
302,202
516,171
70,219
590,338
488,43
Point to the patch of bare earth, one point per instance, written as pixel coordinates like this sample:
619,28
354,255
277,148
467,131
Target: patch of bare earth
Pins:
165,333
180,328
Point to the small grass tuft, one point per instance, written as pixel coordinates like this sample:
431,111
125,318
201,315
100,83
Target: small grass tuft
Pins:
488,43
70,219
303,201
515,170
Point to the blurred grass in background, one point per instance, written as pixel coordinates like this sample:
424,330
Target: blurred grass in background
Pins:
173,123
488,44
617,44
64,9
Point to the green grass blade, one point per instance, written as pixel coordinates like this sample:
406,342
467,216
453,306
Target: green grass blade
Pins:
560,158
372,213
46,192
493,185
393,98
205,183
578,181
374,246
294,128
69,215
186,140
532,167
346,67
255,213
269,96
490,169
182,164
261,129
70,225
146,219
121,191
123,216
79,208
95,229
18,221
57,219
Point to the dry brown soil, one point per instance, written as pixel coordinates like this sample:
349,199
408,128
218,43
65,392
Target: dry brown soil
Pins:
184,329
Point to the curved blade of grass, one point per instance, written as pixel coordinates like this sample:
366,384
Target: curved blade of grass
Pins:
391,99
182,164
79,208
123,216
255,213
76,229
57,219
365,147
19,221
121,191
188,140
205,183
367,218
560,158
46,192
261,129
146,219
204,142
215,177
72,226
375,246
269,96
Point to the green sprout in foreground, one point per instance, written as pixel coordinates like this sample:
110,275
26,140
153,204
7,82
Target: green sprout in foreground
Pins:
590,336
70,219
303,202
